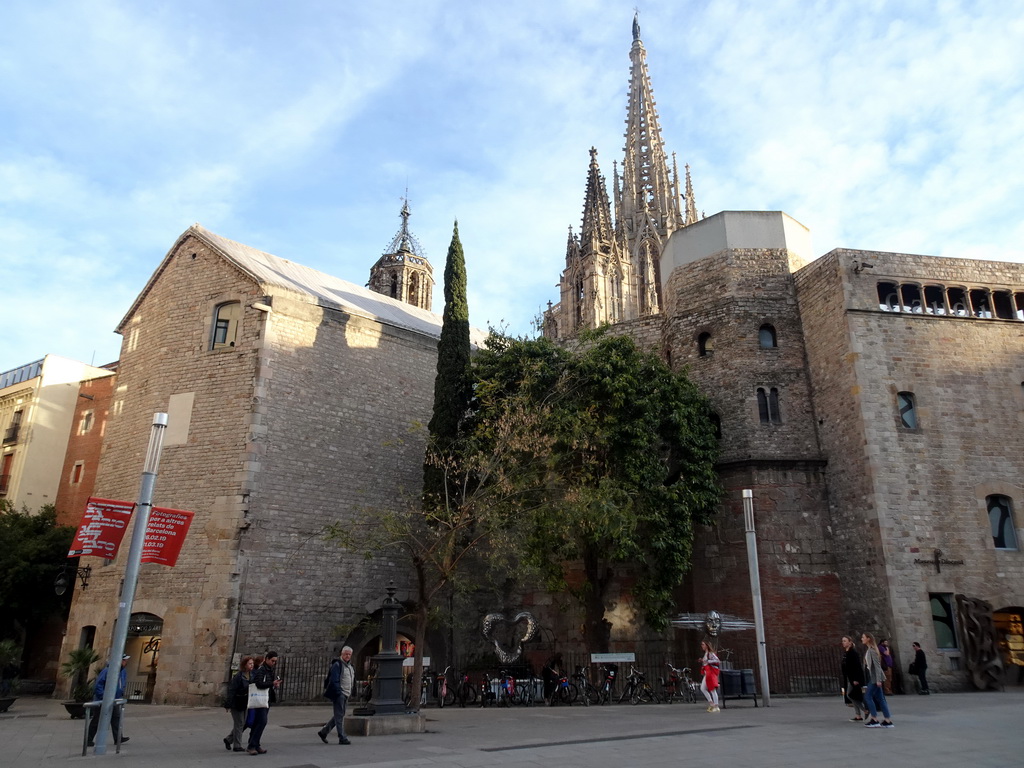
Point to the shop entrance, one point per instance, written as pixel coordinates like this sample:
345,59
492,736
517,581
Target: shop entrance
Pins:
143,645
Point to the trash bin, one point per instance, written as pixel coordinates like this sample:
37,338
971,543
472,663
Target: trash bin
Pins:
731,682
747,686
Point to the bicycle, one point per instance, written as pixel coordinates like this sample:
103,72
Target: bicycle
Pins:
608,686
564,693
642,690
445,695
588,692
507,695
679,685
466,693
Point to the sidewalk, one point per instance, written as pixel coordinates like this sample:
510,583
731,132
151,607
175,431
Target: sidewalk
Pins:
975,729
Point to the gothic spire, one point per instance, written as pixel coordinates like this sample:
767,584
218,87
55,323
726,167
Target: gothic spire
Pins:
646,181
597,218
691,203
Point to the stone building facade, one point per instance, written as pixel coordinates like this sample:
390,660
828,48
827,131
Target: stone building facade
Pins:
869,400
292,401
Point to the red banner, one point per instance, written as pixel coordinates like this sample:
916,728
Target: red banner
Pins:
103,526
165,534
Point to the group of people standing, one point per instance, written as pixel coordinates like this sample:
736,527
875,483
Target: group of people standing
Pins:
868,678
250,693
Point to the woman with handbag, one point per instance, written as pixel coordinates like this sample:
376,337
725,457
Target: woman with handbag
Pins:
237,703
709,684
262,693
853,679
874,696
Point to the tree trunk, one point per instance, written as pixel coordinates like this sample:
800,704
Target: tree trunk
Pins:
422,610
597,630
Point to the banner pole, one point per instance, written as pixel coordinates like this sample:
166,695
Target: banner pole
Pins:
755,594
131,577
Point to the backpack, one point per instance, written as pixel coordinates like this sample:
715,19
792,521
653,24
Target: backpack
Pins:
327,681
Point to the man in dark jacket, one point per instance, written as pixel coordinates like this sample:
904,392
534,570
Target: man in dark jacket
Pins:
853,678
264,677
919,667
115,713
340,679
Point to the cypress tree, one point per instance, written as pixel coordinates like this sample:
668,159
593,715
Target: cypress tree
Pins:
452,386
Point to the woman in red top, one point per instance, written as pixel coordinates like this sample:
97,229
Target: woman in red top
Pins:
709,685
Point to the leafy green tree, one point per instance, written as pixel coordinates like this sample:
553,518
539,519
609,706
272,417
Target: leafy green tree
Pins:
33,549
621,466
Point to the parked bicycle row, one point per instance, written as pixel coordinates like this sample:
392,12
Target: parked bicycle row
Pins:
507,687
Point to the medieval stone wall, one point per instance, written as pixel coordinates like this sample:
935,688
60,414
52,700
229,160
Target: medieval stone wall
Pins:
926,486
166,352
341,431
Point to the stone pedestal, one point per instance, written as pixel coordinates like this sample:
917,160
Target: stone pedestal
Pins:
385,725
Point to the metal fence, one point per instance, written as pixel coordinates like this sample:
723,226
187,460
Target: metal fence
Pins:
792,671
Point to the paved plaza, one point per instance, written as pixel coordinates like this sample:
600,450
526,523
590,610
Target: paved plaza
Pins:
963,729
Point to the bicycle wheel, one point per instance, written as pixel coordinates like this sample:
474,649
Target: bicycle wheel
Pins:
467,694
447,699
591,695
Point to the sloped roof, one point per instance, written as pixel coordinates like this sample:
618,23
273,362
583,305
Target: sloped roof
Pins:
322,289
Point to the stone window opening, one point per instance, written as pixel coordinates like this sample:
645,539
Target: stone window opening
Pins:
580,296
981,305
705,345
226,318
768,405
1002,304
1000,516
393,291
76,472
943,621
957,298
907,405
934,300
1019,301
888,297
766,337
414,289
911,298
86,423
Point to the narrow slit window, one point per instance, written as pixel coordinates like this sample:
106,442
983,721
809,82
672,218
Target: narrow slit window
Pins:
908,409
943,621
768,405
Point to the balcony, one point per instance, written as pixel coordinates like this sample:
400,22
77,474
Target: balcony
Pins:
11,434
4,482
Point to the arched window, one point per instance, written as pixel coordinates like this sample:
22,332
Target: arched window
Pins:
705,344
888,297
1000,516
766,336
768,405
225,324
414,289
393,291
907,405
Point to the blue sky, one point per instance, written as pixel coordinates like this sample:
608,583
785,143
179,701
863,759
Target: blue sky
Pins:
296,128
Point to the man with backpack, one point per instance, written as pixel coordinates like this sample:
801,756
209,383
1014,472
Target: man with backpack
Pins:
337,688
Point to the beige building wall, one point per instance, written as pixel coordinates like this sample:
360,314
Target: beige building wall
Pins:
46,403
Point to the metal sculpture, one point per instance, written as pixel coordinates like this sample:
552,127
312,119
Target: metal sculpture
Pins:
713,623
493,622
981,652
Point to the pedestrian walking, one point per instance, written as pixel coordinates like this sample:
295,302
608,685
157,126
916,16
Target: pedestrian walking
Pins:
874,694
237,703
340,679
853,678
262,694
919,667
115,712
710,666
887,664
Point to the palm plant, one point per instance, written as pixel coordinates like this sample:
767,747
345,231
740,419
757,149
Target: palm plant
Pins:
77,668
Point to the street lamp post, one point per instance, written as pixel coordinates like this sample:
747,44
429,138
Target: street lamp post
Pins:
755,592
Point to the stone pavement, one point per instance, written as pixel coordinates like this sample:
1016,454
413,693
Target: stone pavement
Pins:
960,729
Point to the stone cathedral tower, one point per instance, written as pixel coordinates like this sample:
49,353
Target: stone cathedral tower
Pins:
403,272
612,271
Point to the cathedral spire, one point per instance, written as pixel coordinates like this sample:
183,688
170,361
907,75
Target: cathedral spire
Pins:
691,202
597,217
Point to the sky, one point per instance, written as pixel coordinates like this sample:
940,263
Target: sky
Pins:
297,128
